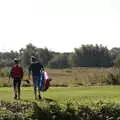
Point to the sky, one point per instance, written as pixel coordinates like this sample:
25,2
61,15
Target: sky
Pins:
59,25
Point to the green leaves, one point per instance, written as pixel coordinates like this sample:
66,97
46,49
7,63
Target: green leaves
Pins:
53,111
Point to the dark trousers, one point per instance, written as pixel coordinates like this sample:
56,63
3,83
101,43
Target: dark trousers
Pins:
16,85
17,82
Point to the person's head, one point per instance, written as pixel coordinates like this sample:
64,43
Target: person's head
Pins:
16,60
34,59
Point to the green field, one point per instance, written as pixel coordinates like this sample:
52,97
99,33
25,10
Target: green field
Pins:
75,94
84,85
83,95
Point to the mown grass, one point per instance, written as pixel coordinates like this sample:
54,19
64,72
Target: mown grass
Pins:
82,95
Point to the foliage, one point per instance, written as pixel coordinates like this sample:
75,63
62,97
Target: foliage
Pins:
43,55
53,111
91,56
113,76
114,52
6,59
59,61
117,62
86,55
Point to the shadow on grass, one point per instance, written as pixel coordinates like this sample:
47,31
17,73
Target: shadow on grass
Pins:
48,100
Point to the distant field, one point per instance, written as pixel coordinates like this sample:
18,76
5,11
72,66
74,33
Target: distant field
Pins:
83,95
72,77
79,76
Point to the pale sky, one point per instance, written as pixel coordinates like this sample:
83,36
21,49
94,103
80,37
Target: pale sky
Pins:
59,25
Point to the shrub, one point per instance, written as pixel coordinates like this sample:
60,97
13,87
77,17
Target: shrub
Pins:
113,76
52,111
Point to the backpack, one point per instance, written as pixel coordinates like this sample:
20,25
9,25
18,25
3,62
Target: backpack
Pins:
16,71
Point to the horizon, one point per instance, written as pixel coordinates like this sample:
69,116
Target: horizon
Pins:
54,50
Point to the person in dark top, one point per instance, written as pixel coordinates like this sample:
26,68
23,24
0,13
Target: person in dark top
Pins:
35,67
17,74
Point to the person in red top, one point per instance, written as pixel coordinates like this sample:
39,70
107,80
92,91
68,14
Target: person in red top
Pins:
17,74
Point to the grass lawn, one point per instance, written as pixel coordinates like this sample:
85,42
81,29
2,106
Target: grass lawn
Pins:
83,95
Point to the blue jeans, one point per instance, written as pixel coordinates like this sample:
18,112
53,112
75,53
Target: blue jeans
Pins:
36,81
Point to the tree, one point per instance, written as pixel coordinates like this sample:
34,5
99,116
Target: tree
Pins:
117,62
7,58
26,54
114,52
44,55
59,61
91,56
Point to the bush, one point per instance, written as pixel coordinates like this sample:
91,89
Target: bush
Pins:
113,76
52,111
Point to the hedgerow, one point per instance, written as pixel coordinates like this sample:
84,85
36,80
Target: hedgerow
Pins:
27,110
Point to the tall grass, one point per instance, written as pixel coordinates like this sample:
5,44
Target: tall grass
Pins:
79,76
75,77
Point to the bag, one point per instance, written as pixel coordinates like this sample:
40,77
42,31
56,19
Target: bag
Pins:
47,81
16,71
44,81
41,81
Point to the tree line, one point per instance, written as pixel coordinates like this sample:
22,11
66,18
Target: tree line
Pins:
84,56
